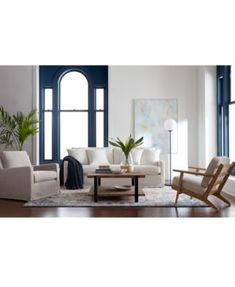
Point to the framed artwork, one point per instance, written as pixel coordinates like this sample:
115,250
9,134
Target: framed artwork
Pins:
149,118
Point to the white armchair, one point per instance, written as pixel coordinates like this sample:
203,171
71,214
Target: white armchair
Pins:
20,180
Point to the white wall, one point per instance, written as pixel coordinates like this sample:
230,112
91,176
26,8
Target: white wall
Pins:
127,83
17,93
210,116
201,117
207,134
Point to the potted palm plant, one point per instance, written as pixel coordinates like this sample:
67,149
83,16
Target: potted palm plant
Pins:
16,128
126,147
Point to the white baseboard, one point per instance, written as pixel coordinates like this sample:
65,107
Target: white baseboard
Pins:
230,186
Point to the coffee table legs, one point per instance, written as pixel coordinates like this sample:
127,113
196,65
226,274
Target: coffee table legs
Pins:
97,182
95,189
136,188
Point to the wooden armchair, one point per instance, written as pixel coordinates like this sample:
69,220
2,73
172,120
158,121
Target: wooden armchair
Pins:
201,182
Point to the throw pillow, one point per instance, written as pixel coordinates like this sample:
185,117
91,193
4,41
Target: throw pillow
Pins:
79,154
97,156
117,155
136,155
15,159
150,156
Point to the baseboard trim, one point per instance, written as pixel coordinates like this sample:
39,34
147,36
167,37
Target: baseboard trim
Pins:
229,187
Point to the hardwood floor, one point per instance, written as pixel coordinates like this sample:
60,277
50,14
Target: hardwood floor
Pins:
13,208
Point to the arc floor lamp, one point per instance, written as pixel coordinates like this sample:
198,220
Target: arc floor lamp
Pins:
170,125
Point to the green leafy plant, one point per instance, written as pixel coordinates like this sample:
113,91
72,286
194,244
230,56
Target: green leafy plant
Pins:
16,128
127,145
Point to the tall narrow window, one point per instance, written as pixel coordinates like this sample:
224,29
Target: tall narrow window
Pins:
73,112
232,116
226,111
73,109
48,106
232,132
99,117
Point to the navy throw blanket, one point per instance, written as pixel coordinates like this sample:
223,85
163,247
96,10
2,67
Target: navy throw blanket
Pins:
74,175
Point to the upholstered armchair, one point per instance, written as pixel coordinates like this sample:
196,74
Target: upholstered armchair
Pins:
20,180
201,183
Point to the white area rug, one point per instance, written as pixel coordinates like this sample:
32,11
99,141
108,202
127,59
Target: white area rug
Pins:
154,197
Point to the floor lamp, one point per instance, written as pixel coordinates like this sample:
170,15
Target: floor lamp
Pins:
170,125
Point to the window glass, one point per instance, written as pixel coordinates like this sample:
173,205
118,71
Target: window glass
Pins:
73,131
99,99
232,77
48,99
74,92
232,132
48,135
99,129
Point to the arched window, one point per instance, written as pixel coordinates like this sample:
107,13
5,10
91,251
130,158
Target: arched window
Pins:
73,109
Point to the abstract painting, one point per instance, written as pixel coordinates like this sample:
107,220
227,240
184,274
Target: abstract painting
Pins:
149,118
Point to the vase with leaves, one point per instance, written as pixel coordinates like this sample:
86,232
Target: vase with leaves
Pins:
126,147
16,128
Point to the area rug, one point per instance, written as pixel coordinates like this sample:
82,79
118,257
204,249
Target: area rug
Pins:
154,197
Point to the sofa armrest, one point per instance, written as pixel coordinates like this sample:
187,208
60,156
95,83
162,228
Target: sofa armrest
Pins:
161,164
21,172
48,166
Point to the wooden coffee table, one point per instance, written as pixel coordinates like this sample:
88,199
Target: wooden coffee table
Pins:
133,175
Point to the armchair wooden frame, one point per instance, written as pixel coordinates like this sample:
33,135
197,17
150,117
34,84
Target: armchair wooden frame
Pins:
215,186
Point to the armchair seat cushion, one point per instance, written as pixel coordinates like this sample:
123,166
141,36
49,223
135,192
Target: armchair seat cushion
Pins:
190,182
44,175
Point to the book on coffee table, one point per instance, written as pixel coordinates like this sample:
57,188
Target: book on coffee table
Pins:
103,170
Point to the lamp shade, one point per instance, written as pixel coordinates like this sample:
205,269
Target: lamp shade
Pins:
170,125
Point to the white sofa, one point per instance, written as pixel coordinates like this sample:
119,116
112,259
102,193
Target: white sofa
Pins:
145,160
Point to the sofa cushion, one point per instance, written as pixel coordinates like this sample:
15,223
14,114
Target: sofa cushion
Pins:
150,156
190,182
79,154
42,175
117,155
148,169
15,159
97,156
90,168
136,155
108,152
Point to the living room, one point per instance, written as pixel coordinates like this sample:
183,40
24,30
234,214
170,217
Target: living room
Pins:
193,90
153,50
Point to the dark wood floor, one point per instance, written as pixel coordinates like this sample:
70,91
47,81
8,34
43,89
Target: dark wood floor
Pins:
12,208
